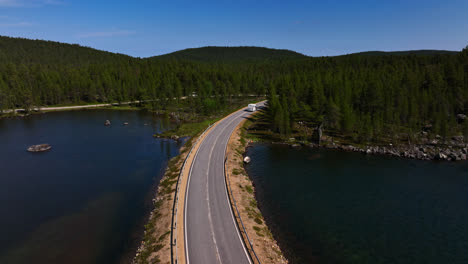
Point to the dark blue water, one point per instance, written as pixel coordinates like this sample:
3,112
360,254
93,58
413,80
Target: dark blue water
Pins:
87,199
338,207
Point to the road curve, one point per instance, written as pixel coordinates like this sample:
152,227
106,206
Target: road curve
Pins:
210,231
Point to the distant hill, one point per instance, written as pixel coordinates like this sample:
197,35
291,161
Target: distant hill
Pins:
232,54
26,51
407,52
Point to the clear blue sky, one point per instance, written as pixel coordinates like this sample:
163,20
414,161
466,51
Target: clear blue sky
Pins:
152,27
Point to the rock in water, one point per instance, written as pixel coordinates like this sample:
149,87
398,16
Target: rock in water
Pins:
247,159
107,123
39,148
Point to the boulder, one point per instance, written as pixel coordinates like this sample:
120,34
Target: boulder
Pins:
39,148
441,156
453,155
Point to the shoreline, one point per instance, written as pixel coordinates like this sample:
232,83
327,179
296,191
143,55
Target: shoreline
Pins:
154,246
428,152
423,147
456,151
80,108
38,109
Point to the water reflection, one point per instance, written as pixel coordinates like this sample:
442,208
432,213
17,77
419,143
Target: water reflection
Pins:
339,207
84,201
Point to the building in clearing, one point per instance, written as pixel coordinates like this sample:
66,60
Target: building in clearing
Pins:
252,107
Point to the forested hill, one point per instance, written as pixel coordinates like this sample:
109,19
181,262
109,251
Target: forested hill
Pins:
363,95
406,52
232,54
26,51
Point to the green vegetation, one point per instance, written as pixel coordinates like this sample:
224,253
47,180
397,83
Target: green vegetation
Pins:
258,220
367,98
44,73
363,96
195,123
232,55
409,52
190,129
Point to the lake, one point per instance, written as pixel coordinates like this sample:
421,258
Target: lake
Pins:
87,199
327,206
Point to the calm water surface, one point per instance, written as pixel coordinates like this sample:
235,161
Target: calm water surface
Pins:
87,199
337,207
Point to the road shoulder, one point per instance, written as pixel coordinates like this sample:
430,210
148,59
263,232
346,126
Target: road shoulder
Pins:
243,192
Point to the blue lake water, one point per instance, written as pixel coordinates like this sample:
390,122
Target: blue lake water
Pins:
327,206
87,199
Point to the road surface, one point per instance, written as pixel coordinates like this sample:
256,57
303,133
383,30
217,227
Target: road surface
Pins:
210,230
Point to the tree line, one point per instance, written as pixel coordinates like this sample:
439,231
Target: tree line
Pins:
359,94
373,96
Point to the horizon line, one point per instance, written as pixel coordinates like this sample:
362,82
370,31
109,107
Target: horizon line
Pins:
214,46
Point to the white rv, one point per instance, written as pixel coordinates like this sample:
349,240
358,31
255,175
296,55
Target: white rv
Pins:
252,107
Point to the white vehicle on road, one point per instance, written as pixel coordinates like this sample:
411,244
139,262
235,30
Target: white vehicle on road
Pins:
252,107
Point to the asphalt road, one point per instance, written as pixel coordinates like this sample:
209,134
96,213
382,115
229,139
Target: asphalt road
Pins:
211,234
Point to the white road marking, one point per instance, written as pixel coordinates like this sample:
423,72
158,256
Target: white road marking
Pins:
232,215
209,210
208,199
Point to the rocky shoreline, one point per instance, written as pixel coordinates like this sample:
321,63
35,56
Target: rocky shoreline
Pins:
433,150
